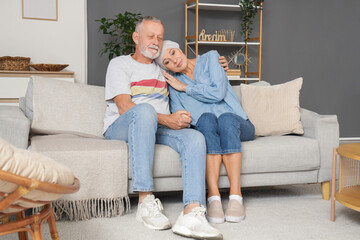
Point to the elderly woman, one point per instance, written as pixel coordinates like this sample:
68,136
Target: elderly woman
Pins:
201,87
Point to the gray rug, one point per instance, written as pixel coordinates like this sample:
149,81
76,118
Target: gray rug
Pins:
285,212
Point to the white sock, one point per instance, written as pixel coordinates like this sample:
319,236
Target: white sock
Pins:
212,198
236,197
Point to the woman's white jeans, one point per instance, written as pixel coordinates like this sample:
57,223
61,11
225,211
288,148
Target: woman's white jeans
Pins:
139,128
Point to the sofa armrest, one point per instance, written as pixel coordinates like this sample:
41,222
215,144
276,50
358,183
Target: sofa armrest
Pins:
14,126
325,129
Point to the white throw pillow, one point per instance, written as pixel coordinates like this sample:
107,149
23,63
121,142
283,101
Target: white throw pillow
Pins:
30,164
274,110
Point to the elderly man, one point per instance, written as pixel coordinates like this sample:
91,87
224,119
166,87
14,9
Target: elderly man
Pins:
138,113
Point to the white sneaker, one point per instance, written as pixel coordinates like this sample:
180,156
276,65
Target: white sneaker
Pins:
149,213
195,225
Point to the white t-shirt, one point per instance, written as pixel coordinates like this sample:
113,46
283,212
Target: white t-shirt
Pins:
144,82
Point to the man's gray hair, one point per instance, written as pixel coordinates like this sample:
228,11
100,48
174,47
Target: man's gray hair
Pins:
147,18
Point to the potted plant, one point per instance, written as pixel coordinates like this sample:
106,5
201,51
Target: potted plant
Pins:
120,30
248,11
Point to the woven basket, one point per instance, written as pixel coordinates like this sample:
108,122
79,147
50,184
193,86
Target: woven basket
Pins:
14,63
49,67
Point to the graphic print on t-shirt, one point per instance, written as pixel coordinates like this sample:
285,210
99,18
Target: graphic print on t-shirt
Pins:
150,88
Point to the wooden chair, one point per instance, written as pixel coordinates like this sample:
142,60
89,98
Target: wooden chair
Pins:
35,221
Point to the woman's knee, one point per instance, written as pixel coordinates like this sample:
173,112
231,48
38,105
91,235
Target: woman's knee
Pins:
206,121
228,121
247,131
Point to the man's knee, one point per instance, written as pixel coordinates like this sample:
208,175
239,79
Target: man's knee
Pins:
197,140
145,112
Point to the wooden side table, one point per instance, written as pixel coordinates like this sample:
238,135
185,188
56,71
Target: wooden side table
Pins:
348,192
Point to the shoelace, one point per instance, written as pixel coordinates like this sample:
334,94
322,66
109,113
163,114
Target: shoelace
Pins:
199,213
155,207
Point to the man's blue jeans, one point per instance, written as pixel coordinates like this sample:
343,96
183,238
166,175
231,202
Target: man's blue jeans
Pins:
224,134
139,128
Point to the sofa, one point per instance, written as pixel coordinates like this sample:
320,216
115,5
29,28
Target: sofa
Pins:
64,121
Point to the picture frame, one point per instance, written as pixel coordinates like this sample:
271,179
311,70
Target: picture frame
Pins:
40,9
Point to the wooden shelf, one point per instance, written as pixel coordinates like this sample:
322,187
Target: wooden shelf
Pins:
9,100
238,78
349,197
62,74
224,43
216,7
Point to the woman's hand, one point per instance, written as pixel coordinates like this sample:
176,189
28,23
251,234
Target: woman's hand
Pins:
224,63
174,82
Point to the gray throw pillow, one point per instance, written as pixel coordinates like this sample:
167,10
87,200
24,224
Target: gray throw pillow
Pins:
64,107
22,104
29,100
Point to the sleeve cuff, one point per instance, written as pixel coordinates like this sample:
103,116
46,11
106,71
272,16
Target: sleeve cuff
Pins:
188,90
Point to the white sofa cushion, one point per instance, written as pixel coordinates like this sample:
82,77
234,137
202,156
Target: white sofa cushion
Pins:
263,155
64,107
274,110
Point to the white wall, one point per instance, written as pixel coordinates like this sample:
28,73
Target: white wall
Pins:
62,42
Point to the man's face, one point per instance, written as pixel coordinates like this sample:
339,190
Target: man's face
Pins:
150,38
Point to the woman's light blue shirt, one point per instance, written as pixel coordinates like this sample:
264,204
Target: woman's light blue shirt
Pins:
210,92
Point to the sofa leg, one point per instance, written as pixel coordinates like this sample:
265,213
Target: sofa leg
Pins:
325,189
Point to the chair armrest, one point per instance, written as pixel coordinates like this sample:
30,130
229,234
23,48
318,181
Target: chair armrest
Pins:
325,129
14,126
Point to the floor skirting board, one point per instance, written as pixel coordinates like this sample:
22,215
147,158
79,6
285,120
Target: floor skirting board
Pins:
345,140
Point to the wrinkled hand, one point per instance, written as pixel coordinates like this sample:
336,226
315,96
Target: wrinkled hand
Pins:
224,63
174,82
179,120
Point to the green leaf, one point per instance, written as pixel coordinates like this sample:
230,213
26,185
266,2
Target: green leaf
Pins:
120,29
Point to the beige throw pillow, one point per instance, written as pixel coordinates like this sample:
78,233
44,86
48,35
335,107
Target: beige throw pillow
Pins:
274,110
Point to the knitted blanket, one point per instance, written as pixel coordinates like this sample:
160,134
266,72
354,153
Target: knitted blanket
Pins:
102,168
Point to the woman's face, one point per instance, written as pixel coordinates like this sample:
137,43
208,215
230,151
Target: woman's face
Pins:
174,59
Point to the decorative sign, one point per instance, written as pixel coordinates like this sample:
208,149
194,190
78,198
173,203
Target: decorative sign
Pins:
217,37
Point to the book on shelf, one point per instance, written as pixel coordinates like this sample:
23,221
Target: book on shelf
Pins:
233,72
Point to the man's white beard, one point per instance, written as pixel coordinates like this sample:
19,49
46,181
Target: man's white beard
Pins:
147,52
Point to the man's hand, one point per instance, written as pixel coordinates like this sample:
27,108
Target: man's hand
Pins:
178,120
174,82
224,63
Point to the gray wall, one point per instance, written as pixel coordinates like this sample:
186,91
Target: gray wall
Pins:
315,39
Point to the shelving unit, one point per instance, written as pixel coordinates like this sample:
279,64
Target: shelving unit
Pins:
191,41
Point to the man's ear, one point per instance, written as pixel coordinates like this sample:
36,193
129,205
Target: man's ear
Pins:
135,37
